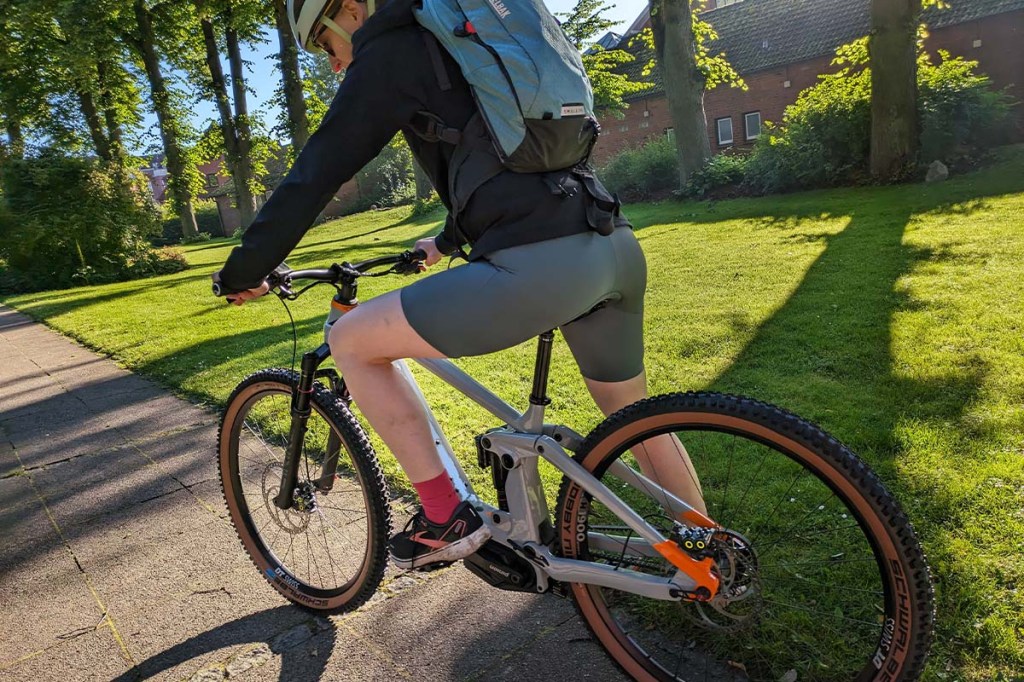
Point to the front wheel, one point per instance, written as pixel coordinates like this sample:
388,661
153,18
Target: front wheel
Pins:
821,575
329,550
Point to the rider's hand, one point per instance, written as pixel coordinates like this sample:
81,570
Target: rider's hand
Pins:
241,297
430,248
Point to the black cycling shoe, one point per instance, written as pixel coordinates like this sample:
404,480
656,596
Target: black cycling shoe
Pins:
423,543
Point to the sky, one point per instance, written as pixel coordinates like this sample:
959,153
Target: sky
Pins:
263,80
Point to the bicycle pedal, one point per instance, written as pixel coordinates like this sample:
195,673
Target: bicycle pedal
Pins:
436,566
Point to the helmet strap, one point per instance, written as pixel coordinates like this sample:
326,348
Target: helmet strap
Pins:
333,25
371,7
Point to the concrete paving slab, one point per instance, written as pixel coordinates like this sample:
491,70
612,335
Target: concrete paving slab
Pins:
59,403
24,524
43,598
166,413
90,656
459,615
27,391
51,436
197,630
189,455
335,653
15,491
126,534
566,653
93,485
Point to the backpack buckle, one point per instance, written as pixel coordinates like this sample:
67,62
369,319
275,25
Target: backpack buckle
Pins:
464,30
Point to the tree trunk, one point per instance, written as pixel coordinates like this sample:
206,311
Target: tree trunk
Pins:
15,139
672,25
294,99
220,95
423,186
168,125
87,105
244,178
895,135
113,127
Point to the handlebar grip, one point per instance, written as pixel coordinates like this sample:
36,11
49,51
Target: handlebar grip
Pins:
418,255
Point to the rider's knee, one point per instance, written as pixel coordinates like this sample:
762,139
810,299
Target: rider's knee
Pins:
350,341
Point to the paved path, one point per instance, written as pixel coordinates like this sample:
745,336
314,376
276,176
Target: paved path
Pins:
117,560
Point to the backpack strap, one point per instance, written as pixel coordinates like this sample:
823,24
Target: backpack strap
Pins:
434,51
430,128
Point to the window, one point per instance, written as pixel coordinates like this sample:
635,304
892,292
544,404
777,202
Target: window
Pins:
623,128
724,126
670,133
752,124
211,180
645,124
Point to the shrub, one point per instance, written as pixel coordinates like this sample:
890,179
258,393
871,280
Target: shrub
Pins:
825,137
387,180
720,172
196,238
69,221
423,207
960,113
207,219
644,172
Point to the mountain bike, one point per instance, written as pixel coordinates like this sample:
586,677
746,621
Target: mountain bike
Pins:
802,568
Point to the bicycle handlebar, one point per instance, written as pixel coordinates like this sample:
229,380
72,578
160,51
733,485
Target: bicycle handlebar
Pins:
406,263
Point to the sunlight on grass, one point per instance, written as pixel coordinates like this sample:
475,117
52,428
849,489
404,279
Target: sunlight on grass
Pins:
892,316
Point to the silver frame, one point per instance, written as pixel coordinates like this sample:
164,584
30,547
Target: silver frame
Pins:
523,440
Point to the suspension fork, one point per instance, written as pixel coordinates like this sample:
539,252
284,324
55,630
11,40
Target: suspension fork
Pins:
300,418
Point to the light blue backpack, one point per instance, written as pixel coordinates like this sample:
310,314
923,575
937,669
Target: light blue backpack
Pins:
527,78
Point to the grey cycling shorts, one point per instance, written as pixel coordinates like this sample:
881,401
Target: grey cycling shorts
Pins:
521,292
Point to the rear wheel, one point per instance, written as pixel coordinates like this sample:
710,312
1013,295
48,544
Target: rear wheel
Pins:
329,551
822,577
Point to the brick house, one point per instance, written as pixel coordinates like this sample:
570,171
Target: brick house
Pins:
781,46
156,177
219,186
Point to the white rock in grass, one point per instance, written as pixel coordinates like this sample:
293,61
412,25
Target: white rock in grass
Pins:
937,172
788,677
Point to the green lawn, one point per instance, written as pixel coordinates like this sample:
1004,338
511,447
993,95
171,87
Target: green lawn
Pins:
891,316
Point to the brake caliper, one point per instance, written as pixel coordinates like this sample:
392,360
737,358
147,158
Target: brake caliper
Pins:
695,541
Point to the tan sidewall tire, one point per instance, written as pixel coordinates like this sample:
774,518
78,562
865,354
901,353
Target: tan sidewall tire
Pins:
594,454
373,561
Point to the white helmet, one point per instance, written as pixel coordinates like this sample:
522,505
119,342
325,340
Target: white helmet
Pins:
305,16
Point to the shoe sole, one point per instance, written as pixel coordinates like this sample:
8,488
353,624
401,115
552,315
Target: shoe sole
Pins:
454,551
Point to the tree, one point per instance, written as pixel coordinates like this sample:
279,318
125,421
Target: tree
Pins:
688,70
895,130
236,126
585,23
295,122
184,179
91,98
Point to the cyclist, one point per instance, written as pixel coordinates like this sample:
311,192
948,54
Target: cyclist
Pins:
535,262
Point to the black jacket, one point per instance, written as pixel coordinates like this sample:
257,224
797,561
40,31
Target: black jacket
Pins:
390,80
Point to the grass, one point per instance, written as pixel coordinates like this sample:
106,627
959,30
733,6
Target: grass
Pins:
894,317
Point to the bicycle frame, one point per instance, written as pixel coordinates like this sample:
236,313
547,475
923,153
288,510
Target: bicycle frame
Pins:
526,439
526,526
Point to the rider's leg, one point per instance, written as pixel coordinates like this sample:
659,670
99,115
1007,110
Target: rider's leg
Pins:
662,459
364,342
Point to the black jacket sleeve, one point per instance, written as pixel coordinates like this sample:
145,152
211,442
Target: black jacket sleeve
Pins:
371,105
447,242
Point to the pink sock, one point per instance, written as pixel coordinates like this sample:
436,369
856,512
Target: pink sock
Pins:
438,498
